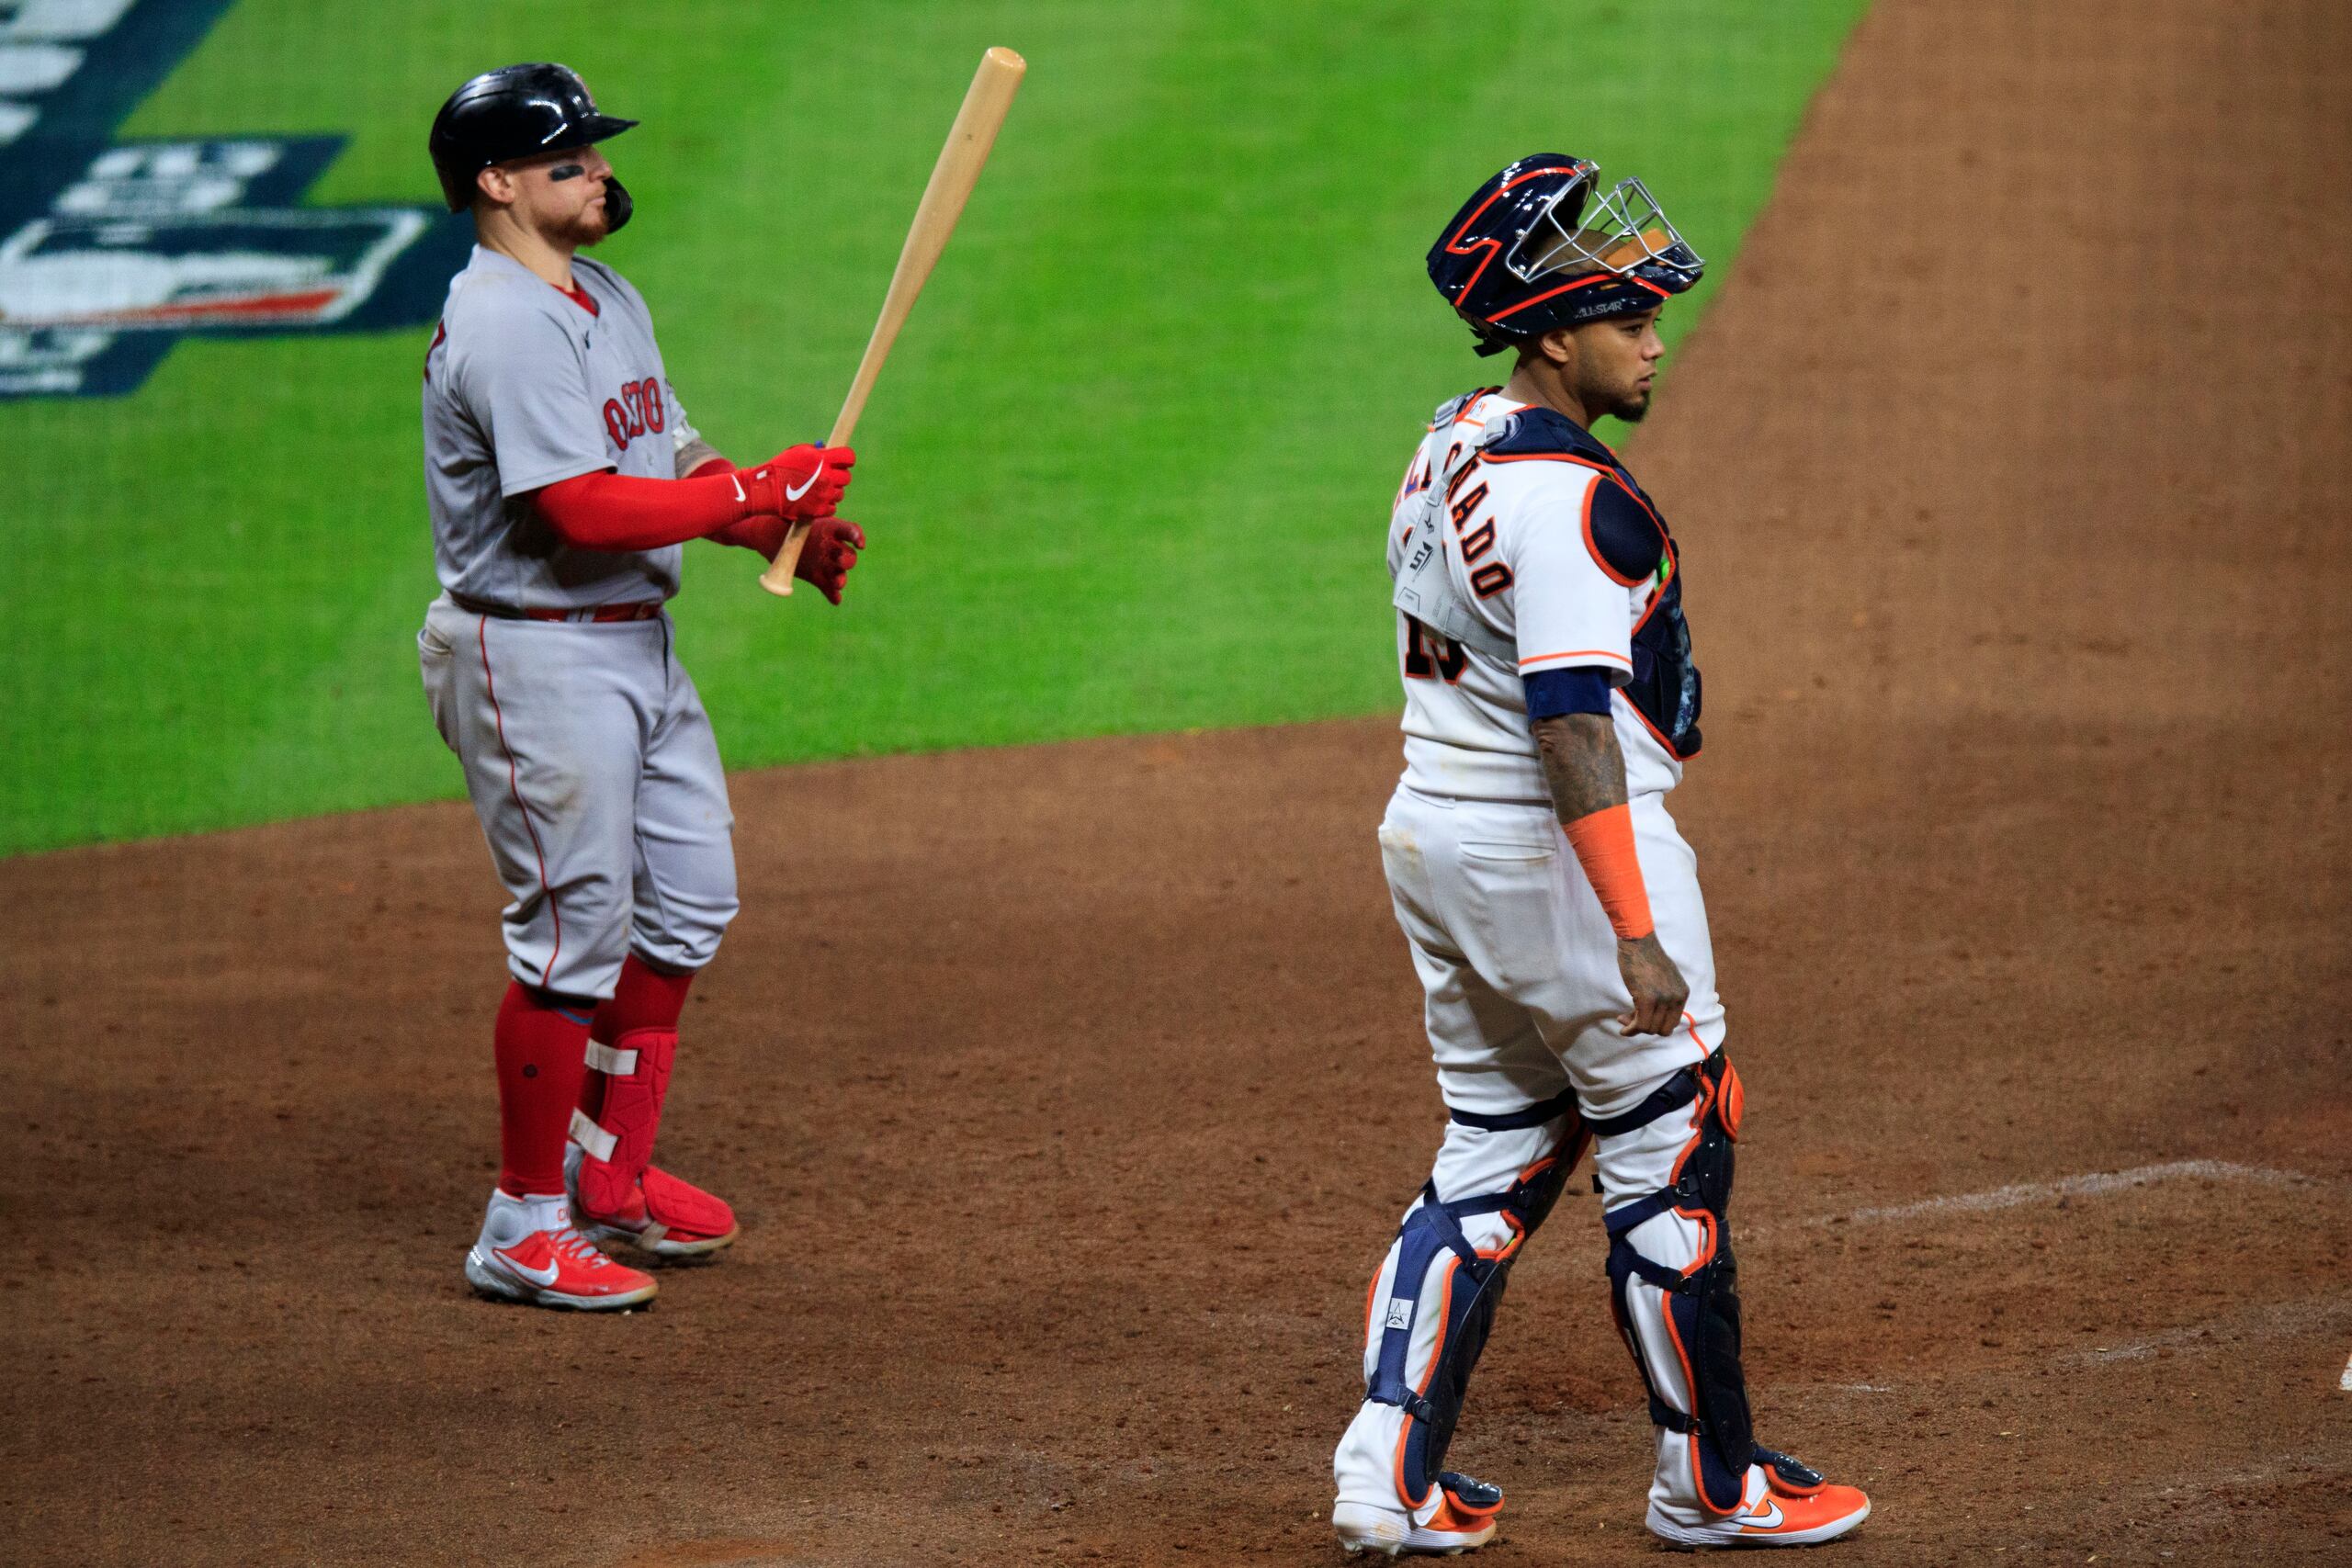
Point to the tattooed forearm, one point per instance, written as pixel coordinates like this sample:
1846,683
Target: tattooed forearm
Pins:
1582,765
694,454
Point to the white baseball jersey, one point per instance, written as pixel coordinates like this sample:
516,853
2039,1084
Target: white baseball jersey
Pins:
1521,551
526,385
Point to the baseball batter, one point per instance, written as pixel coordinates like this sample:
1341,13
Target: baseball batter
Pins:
564,477
1552,908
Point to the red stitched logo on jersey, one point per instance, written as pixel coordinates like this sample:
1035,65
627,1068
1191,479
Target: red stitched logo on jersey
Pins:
636,411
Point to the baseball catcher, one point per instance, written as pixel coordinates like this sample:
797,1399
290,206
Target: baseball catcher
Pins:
1552,908
563,478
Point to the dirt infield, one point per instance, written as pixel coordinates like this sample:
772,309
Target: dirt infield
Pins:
1070,1094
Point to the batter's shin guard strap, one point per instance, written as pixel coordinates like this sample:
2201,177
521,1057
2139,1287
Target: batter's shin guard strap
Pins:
1701,1299
1469,1292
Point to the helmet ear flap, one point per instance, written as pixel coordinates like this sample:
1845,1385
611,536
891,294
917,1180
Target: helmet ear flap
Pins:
1492,340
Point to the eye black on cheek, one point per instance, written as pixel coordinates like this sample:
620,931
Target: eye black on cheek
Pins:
567,172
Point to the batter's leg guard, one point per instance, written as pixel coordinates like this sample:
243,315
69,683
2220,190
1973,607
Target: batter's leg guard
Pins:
618,1141
1674,1283
1441,1278
622,1194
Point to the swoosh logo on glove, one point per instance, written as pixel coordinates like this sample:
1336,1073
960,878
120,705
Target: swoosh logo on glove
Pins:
792,494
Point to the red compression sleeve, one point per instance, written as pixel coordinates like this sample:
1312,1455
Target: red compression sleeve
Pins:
540,1045
1603,840
605,511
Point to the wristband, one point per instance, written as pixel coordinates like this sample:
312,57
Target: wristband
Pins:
1603,840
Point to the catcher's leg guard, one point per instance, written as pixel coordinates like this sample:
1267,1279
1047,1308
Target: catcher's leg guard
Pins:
1443,1286
1673,1281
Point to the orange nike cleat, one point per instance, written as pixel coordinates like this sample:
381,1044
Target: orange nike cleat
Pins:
1785,1504
1461,1518
528,1252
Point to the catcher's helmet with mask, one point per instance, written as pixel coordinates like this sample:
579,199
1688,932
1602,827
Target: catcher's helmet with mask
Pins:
1538,246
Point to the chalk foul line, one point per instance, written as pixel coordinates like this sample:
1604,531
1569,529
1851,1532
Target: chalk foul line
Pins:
2018,1194
2275,1320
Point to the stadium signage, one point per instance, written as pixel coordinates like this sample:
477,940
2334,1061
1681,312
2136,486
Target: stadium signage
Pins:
111,251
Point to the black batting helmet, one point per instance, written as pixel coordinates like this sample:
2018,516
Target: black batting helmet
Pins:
513,112
1536,247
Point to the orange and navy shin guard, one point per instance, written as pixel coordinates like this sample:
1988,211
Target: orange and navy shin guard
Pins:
1439,1274
1698,1299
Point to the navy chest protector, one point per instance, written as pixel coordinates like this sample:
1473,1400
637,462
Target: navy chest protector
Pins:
1665,687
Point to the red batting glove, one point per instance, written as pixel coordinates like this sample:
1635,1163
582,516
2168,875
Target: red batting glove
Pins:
799,482
826,554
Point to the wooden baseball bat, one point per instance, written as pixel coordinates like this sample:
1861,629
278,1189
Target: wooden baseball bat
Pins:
952,178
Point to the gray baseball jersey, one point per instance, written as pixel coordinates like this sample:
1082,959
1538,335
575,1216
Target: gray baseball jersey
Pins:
526,385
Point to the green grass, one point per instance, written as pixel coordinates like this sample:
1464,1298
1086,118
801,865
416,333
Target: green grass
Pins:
1127,469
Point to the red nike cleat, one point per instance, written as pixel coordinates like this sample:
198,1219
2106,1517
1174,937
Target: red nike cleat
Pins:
663,1214
528,1252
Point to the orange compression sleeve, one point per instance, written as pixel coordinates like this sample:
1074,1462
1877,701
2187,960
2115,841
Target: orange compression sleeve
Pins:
1603,840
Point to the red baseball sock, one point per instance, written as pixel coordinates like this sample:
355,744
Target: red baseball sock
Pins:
645,998
541,1047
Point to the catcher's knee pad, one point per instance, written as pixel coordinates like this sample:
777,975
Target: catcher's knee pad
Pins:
1468,1289
1697,1317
